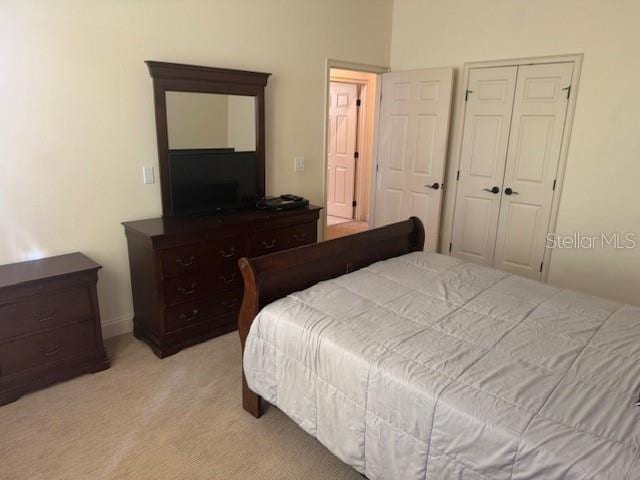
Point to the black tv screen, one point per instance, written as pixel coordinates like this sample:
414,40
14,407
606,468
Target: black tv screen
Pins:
212,180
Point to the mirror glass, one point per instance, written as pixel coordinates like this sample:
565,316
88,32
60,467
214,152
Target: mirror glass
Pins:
209,120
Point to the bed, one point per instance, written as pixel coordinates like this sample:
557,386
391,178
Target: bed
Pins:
413,365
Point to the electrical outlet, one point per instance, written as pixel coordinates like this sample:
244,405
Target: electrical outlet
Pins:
298,164
148,177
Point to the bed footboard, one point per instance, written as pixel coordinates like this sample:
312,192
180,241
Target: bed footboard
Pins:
274,276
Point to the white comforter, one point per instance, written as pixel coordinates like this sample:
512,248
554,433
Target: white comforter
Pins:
423,366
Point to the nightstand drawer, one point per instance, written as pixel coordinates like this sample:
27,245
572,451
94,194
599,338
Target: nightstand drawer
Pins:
44,311
19,355
190,313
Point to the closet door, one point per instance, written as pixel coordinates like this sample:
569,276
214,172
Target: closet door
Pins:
487,121
537,128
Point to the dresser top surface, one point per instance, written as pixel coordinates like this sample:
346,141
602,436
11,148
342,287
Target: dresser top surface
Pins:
162,226
45,268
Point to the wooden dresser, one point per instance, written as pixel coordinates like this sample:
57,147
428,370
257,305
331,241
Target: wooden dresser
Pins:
185,278
49,323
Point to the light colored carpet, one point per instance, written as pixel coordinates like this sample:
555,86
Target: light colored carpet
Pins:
146,418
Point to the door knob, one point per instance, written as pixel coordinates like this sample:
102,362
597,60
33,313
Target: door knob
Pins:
508,191
435,186
492,190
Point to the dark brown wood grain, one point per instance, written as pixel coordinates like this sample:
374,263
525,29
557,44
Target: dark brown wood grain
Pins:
49,323
191,78
274,276
186,284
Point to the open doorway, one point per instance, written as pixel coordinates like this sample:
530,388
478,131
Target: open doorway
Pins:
350,146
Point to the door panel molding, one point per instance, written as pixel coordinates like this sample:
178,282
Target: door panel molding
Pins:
482,163
412,145
342,147
458,130
537,128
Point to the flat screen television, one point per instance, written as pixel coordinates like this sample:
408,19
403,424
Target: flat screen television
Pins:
212,180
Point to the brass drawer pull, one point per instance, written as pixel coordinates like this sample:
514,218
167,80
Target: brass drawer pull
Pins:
190,291
229,254
51,352
46,317
186,262
300,237
269,245
228,279
190,318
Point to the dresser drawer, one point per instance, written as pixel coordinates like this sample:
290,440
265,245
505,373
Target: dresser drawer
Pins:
202,256
188,287
226,251
44,311
48,347
177,261
262,243
190,313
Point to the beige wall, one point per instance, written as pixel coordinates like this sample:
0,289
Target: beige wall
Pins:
77,122
603,166
197,120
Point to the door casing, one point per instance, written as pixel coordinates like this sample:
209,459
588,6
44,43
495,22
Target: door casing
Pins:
458,131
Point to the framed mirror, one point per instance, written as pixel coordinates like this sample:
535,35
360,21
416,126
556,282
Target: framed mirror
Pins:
211,120
213,116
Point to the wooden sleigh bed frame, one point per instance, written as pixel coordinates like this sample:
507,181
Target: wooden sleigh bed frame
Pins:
271,277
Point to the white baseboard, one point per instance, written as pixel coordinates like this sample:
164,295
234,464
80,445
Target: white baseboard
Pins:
117,326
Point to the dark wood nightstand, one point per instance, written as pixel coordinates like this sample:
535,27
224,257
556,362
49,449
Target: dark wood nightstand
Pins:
49,323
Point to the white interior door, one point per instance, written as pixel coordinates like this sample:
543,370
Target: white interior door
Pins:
341,169
412,144
537,128
489,107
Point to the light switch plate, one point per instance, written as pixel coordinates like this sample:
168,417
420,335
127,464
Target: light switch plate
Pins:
298,164
148,177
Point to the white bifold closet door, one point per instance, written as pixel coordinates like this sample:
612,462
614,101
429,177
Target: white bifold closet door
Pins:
513,132
484,151
412,145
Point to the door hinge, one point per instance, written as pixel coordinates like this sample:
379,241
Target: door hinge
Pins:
458,175
541,264
358,102
568,90
466,94
356,155
450,247
554,184
354,204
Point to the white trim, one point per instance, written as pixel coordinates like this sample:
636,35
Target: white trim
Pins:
373,186
333,63
457,133
117,326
